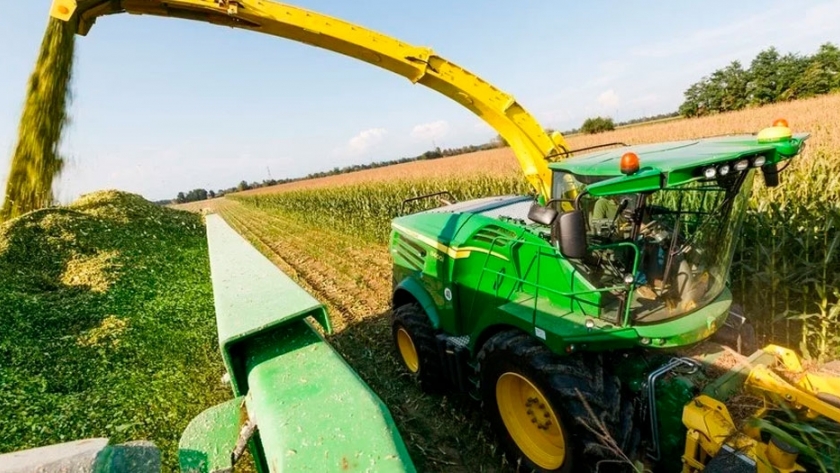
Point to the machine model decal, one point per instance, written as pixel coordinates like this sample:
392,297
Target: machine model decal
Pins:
452,251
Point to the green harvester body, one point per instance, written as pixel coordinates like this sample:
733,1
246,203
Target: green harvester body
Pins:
480,265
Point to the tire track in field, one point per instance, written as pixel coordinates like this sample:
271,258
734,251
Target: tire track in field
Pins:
367,275
348,307
294,268
335,307
342,288
275,258
366,267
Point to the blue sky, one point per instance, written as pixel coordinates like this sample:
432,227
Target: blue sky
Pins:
163,105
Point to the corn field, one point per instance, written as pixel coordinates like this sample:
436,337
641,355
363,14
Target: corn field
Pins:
787,272
366,210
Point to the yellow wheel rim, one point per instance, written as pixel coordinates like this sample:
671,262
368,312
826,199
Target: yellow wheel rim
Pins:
531,421
407,350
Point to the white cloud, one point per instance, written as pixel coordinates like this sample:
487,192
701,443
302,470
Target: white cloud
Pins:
429,131
613,66
554,115
608,99
645,100
611,70
820,19
365,140
708,38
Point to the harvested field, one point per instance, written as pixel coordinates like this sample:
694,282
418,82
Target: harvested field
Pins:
495,163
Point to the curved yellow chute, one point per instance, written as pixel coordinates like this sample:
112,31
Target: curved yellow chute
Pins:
519,128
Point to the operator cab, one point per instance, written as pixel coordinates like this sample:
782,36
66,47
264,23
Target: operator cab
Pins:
674,245
658,224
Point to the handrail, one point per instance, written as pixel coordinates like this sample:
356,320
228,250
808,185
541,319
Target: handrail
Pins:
537,286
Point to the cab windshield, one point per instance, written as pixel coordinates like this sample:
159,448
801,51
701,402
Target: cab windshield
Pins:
676,243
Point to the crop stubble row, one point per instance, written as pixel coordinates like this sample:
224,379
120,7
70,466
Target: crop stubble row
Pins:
442,434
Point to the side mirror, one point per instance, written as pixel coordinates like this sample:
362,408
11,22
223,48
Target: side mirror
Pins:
544,215
622,207
573,235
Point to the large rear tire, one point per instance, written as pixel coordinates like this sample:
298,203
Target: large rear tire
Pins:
414,340
541,406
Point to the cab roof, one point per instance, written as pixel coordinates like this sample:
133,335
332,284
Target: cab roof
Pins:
672,163
670,156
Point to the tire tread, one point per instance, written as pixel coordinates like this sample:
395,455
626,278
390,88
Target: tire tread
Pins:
565,377
414,319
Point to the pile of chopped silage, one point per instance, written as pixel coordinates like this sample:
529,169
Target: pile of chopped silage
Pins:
108,326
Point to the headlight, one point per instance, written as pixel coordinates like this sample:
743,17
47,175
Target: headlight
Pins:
710,172
759,161
741,165
723,169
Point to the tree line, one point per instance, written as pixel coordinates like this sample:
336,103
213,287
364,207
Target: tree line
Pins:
601,124
203,194
497,142
771,77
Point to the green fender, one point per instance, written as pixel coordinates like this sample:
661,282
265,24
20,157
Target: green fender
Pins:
419,293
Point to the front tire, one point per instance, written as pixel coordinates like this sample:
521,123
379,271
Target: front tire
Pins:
414,340
541,406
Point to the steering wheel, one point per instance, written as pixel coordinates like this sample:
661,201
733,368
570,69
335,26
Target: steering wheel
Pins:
647,228
655,231
606,228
